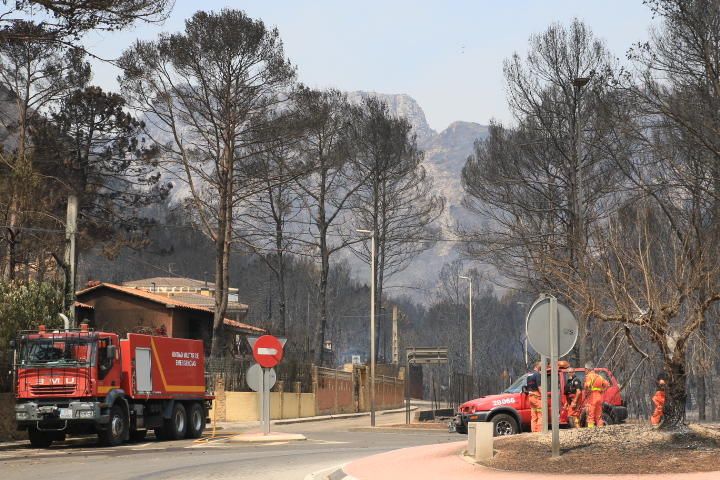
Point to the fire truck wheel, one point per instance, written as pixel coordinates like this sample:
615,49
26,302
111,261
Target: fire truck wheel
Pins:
608,419
116,430
196,423
504,424
39,439
176,426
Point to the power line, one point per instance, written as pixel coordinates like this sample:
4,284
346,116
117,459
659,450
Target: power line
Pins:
256,232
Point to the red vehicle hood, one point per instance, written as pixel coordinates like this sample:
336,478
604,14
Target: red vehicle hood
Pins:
489,402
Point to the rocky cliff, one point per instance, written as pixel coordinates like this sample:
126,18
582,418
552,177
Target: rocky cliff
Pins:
445,156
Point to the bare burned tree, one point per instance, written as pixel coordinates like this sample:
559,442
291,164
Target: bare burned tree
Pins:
63,21
664,277
203,91
326,193
542,185
92,148
396,200
268,219
33,76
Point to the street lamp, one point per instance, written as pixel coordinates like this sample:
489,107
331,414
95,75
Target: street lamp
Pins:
372,323
470,322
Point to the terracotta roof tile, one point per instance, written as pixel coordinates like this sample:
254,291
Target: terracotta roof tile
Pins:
168,301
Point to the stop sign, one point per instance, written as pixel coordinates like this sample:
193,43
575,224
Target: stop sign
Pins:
268,351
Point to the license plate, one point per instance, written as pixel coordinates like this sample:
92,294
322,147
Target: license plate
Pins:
65,413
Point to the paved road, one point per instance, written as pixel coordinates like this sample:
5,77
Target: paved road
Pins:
329,443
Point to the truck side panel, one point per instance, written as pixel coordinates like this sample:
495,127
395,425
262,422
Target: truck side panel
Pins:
177,367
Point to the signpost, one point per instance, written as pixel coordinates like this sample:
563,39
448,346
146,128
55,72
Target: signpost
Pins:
268,352
552,330
420,356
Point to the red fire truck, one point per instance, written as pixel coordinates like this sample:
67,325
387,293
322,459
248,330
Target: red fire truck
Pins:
509,411
87,382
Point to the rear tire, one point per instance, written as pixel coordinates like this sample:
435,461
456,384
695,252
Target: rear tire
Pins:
504,424
39,439
174,428
608,419
116,430
196,421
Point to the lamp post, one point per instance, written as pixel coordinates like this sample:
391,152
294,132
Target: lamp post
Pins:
470,329
372,323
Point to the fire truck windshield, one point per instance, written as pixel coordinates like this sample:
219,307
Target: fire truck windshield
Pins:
58,351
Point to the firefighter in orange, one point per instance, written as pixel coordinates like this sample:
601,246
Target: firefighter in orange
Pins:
659,399
595,385
535,399
573,397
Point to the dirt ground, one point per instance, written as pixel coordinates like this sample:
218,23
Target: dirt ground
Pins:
613,449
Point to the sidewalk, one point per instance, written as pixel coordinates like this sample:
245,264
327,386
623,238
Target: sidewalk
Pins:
289,421
433,462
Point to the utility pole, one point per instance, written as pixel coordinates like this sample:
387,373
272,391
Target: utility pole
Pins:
70,233
395,346
372,324
470,335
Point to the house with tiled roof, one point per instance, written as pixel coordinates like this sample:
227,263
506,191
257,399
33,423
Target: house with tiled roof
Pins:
123,309
190,290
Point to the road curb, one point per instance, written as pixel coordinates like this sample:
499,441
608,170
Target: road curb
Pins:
383,429
321,418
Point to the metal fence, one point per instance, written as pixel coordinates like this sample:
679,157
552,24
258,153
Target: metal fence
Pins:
233,371
461,389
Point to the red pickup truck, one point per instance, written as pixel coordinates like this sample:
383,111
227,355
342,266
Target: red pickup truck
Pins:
510,410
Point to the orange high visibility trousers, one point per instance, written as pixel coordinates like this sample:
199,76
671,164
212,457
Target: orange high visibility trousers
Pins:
574,409
535,411
594,409
659,401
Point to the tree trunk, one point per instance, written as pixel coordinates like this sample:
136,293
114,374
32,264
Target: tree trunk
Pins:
675,392
282,301
222,260
701,397
322,326
11,238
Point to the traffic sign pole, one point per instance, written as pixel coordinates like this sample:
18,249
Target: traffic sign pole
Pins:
268,352
552,330
554,377
266,401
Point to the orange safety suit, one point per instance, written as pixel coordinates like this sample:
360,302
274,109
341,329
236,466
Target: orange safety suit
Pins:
595,385
659,401
536,419
574,408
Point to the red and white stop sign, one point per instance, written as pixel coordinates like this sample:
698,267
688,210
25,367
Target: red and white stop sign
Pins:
268,351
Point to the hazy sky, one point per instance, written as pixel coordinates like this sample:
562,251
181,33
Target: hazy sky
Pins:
448,55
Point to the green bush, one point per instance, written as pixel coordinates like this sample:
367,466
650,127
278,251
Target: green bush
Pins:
24,306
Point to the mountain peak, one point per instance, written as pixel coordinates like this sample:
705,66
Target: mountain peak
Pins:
403,105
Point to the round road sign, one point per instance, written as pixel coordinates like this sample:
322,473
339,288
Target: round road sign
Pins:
254,376
537,327
268,351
